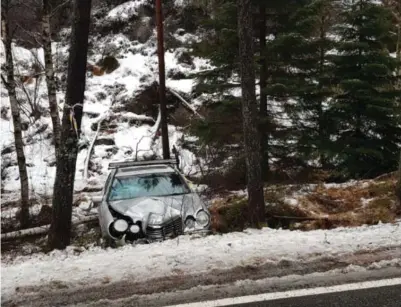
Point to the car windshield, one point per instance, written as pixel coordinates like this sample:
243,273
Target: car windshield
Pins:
147,186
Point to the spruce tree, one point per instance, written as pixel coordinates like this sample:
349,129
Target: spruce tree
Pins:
283,52
219,44
365,107
312,75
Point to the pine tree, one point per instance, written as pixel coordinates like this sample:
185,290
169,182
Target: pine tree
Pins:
313,73
398,186
365,107
277,24
282,52
395,7
218,44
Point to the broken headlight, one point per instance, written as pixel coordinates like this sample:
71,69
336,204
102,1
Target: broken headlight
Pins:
120,225
202,218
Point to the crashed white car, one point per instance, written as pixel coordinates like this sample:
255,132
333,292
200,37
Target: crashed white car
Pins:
149,200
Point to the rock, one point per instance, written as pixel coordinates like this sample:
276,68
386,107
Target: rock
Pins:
186,58
112,150
141,30
108,64
147,102
180,117
105,141
92,114
175,74
101,95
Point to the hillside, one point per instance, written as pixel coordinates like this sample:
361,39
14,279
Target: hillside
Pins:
328,123
123,101
121,110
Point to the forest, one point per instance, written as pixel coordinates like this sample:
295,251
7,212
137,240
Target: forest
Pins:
294,92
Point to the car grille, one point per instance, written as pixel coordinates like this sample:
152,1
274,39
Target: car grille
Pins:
169,230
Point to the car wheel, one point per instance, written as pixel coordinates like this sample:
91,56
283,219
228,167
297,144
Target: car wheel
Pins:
108,242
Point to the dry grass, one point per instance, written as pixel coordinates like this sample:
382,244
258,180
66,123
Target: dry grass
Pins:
365,202
229,214
317,207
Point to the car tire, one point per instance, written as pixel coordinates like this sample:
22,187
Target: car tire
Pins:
107,242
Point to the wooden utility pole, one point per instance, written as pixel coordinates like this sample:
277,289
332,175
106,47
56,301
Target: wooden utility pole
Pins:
162,80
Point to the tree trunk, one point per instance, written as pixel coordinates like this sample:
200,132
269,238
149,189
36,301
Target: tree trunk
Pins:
50,79
256,206
398,52
398,47
60,229
23,215
321,120
398,187
264,135
397,14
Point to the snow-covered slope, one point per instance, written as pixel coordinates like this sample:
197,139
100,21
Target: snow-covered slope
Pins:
106,98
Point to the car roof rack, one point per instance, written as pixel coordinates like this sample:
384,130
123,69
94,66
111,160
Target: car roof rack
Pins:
113,165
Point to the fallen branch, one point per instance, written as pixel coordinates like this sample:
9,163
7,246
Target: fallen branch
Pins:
185,103
301,218
90,149
385,176
41,229
156,127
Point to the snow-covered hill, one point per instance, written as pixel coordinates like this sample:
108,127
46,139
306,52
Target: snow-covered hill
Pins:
110,98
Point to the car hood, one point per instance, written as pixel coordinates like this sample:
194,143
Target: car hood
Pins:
168,206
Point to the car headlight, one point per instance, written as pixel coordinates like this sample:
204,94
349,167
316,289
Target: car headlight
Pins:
120,225
135,228
155,219
202,218
190,222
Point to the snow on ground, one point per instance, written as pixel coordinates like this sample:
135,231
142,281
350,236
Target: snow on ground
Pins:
138,69
187,254
125,11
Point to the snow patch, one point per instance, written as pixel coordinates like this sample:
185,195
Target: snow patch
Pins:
190,255
125,11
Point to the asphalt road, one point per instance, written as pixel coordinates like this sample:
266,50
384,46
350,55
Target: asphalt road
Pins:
389,296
